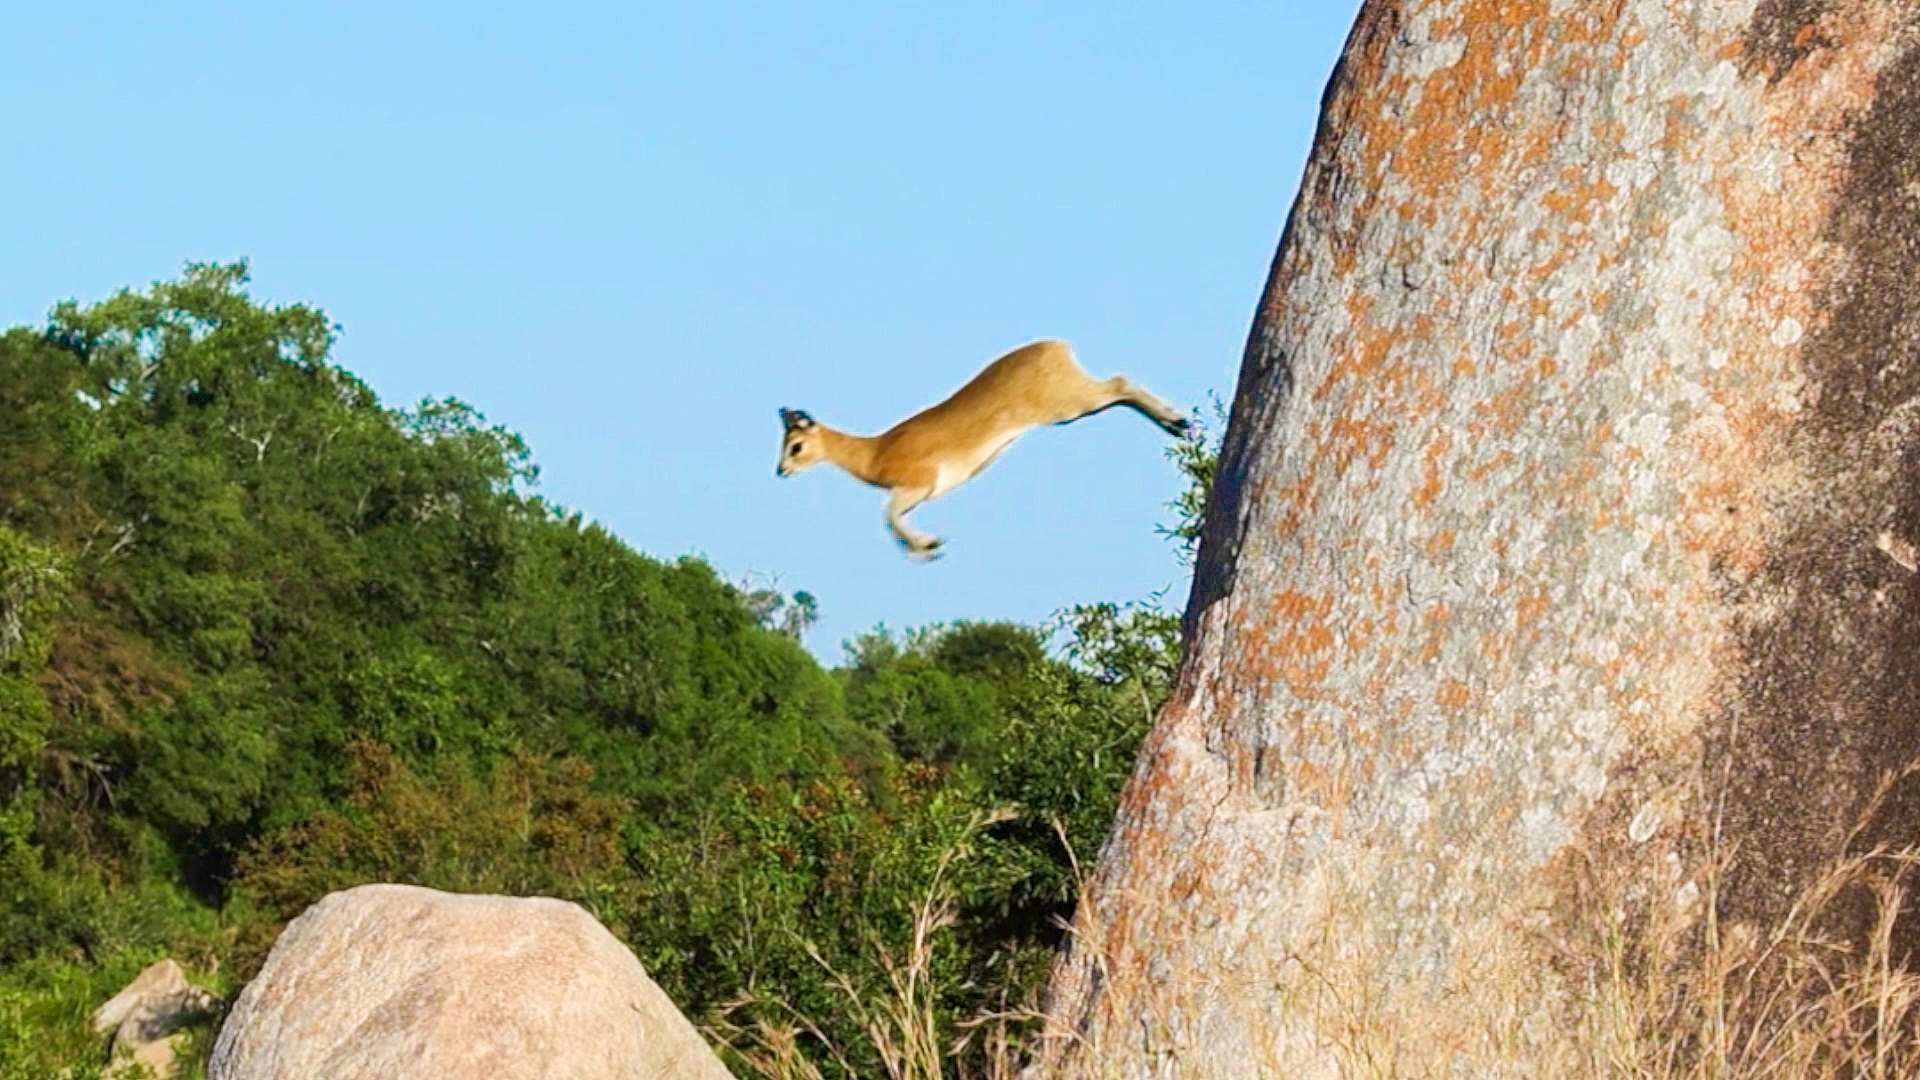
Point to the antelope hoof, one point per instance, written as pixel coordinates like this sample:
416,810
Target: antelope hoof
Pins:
926,551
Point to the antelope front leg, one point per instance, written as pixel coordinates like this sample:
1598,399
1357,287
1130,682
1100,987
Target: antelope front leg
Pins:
919,545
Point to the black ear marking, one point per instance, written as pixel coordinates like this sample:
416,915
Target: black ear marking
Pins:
795,419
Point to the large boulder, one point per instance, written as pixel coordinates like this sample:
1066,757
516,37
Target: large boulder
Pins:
395,982
1566,544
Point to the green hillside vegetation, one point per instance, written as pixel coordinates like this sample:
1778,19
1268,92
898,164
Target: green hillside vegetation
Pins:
262,637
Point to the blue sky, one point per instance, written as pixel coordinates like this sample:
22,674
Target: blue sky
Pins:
633,232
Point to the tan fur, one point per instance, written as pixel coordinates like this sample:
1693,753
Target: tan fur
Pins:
939,448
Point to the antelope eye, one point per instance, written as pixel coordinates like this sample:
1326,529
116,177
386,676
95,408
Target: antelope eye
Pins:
794,449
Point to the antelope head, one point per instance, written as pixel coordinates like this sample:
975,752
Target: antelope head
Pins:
801,444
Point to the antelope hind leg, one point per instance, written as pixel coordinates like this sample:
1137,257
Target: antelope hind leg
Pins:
1148,404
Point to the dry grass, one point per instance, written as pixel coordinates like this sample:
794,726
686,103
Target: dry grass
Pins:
903,1021
1713,1001
1822,993
1657,992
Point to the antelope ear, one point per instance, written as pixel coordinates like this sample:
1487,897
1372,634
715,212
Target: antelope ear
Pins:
795,419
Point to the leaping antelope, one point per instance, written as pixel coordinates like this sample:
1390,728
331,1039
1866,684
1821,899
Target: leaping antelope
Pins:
939,448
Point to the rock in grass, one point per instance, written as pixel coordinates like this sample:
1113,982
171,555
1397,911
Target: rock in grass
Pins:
144,1019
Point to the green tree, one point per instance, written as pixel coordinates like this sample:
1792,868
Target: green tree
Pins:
30,582
528,826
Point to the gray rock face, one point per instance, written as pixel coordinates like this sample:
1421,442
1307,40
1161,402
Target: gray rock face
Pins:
397,983
1569,513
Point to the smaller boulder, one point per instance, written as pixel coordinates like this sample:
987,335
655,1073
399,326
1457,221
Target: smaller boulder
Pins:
397,982
143,1019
